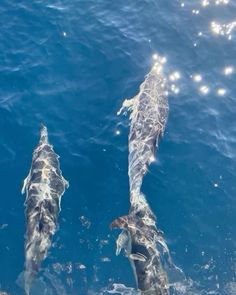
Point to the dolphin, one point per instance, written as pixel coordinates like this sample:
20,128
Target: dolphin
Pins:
144,245
142,242
148,116
44,187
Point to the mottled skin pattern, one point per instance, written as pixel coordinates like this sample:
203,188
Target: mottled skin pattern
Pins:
44,187
140,238
149,112
142,247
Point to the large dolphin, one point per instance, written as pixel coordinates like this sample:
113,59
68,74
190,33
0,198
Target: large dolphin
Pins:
149,112
142,241
145,247
44,187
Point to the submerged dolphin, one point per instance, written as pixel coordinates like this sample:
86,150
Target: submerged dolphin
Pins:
149,112
44,187
145,247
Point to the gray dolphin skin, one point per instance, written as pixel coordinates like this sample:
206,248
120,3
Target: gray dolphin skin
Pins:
149,112
142,242
144,245
44,187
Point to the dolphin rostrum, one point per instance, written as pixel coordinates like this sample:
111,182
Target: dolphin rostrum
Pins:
44,187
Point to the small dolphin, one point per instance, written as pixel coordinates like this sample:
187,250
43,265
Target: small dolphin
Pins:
143,245
44,187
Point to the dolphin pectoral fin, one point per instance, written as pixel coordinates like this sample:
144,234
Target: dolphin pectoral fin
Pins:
127,104
122,242
66,183
120,222
25,182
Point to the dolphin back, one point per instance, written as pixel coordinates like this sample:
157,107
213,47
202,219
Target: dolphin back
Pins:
44,187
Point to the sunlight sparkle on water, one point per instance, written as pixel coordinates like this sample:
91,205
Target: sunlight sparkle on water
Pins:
155,56
221,91
197,78
223,29
214,2
204,89
218,2
174,89
117,132
152,159
174,76
158,68
228,70
161,59
205,3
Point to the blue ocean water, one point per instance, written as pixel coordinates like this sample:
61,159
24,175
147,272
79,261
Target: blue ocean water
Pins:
70,64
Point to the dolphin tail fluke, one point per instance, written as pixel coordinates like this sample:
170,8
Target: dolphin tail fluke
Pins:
121,222
43,133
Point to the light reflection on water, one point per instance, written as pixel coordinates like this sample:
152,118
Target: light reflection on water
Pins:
72,73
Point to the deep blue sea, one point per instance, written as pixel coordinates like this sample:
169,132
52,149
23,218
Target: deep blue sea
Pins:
70,64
